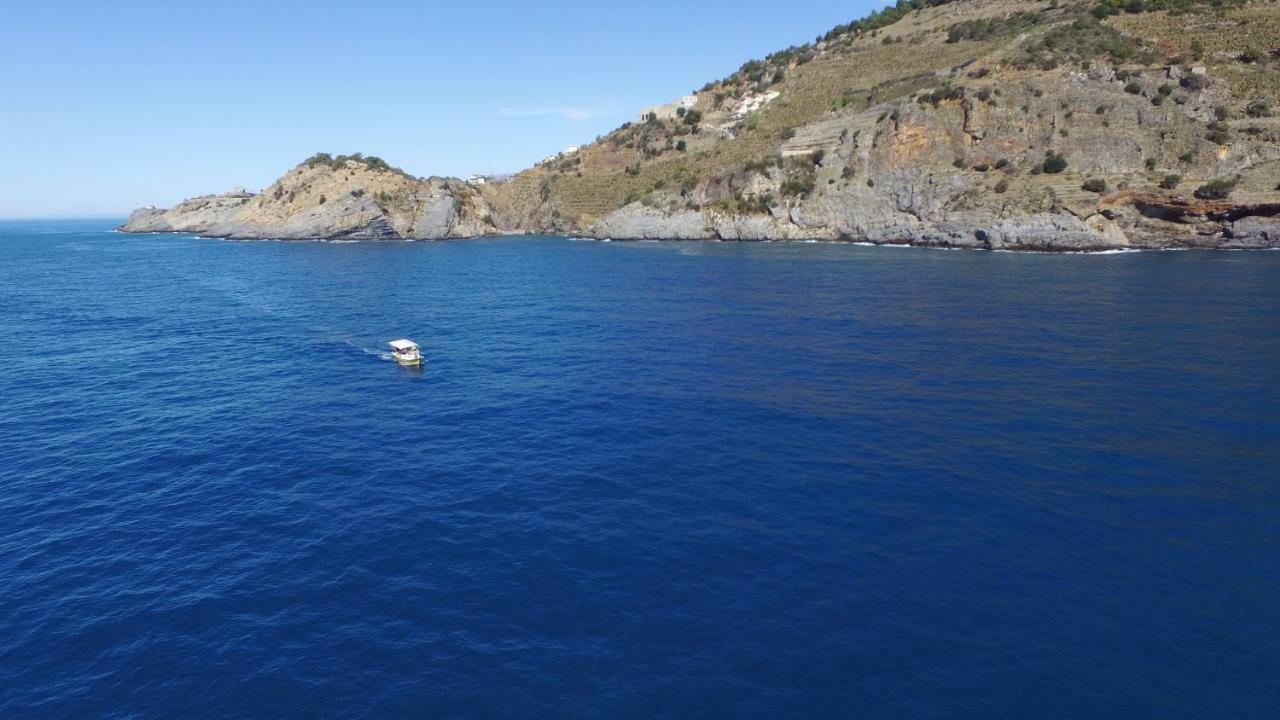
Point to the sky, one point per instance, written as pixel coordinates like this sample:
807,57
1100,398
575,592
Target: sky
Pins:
108,106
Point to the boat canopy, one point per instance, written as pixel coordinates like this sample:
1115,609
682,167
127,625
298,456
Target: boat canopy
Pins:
403,345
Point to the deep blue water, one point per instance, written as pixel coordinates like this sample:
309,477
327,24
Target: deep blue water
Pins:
634,480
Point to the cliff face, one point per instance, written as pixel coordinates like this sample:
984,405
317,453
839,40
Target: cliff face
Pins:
973,123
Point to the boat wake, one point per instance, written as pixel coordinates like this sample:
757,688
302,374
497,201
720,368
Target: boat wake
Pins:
381,355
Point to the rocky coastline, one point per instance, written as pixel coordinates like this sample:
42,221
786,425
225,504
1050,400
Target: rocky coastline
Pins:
1130,222
983,124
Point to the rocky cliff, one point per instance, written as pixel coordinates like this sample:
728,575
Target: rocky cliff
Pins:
332,197
1001,124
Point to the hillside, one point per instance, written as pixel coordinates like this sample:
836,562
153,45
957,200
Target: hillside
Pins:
973,123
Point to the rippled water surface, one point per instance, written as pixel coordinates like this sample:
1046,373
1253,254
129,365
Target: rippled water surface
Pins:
649,479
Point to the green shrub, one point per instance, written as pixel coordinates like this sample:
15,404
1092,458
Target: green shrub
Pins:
1095,185
682,146
1170,181
1151,163
1133,88
1250,55
1084,39
1054,163
937,96
1257,109
1001,186
800,186
1218,189
1218,134
1194,83
372,162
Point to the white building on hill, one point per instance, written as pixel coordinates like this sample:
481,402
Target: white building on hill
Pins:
671,109
752,102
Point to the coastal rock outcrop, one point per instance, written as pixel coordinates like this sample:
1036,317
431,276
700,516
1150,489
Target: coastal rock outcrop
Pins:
190,216
333,198
1254,232
637,222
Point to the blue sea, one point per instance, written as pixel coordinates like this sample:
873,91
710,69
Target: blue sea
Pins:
634,480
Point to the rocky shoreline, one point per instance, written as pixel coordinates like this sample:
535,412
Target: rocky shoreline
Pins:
985,131
1133,223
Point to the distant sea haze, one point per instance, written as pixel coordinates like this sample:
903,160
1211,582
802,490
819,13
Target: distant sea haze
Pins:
634,480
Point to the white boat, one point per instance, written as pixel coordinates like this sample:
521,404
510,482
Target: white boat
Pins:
405,352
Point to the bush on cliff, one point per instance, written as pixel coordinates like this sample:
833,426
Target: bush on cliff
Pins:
800,186
1218,134
1258,109
1054,163
1194,83
372,162
1219,189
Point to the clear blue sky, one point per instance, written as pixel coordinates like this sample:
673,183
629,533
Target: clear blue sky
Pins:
108,106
